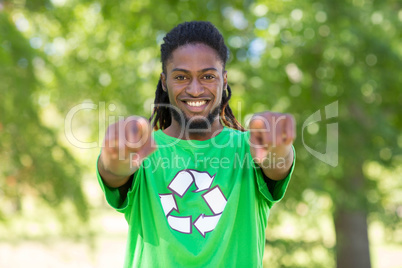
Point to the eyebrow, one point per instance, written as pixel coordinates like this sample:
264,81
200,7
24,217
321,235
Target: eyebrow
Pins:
201,71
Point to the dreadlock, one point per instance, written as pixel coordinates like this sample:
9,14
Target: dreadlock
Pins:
189,33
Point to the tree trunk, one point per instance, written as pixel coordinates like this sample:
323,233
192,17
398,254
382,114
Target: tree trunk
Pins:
352,244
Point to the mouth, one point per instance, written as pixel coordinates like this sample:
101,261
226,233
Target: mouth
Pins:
196,103
196,106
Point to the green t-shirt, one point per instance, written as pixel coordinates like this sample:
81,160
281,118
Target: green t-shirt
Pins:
197,204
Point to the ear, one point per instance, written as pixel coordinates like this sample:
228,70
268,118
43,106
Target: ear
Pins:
163,80
225,80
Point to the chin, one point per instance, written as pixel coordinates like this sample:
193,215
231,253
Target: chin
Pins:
199,124
196,122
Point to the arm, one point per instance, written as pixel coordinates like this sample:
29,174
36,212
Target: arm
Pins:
125,146
271,139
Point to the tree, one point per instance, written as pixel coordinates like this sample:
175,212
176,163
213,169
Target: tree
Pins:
34,162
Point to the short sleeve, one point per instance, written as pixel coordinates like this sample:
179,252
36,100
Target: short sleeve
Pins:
113,197
277,192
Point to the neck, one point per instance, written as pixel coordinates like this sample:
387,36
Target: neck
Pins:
178,131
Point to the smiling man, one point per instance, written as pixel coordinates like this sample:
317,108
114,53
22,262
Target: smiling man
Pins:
194,81
197,190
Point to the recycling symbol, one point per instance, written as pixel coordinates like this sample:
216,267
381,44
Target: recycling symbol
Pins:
213,197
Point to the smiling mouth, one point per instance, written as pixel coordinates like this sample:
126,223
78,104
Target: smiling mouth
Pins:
196,103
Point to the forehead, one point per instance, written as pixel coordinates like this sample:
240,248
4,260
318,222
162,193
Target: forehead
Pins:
194,57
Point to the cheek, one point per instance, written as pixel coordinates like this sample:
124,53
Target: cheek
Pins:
172,95
219,93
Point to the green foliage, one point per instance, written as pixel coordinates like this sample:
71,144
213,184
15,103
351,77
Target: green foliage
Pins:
286,56
33,161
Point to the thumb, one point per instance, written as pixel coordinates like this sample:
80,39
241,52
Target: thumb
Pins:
259,122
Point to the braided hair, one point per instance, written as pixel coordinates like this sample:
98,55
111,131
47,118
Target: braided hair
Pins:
191,33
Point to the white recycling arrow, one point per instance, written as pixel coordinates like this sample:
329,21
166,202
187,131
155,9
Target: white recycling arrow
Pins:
181,224
205,224
215,199
168,203
202,180
181,182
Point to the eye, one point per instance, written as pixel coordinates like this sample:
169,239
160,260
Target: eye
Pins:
209,76
180,77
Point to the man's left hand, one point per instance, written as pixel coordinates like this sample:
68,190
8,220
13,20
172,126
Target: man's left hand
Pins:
271,138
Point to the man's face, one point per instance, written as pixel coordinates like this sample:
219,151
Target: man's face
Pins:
194,80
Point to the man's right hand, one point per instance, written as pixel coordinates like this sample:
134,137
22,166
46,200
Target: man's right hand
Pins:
126,145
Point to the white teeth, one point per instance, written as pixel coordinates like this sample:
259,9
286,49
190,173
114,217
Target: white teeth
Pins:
196,103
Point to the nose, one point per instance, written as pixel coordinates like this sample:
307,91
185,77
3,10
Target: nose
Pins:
195,88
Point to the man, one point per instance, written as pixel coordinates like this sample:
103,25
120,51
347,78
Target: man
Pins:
196,191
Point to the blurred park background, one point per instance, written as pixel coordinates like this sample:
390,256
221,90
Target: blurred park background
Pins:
68,68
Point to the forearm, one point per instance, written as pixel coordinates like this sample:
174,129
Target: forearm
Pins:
277,164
